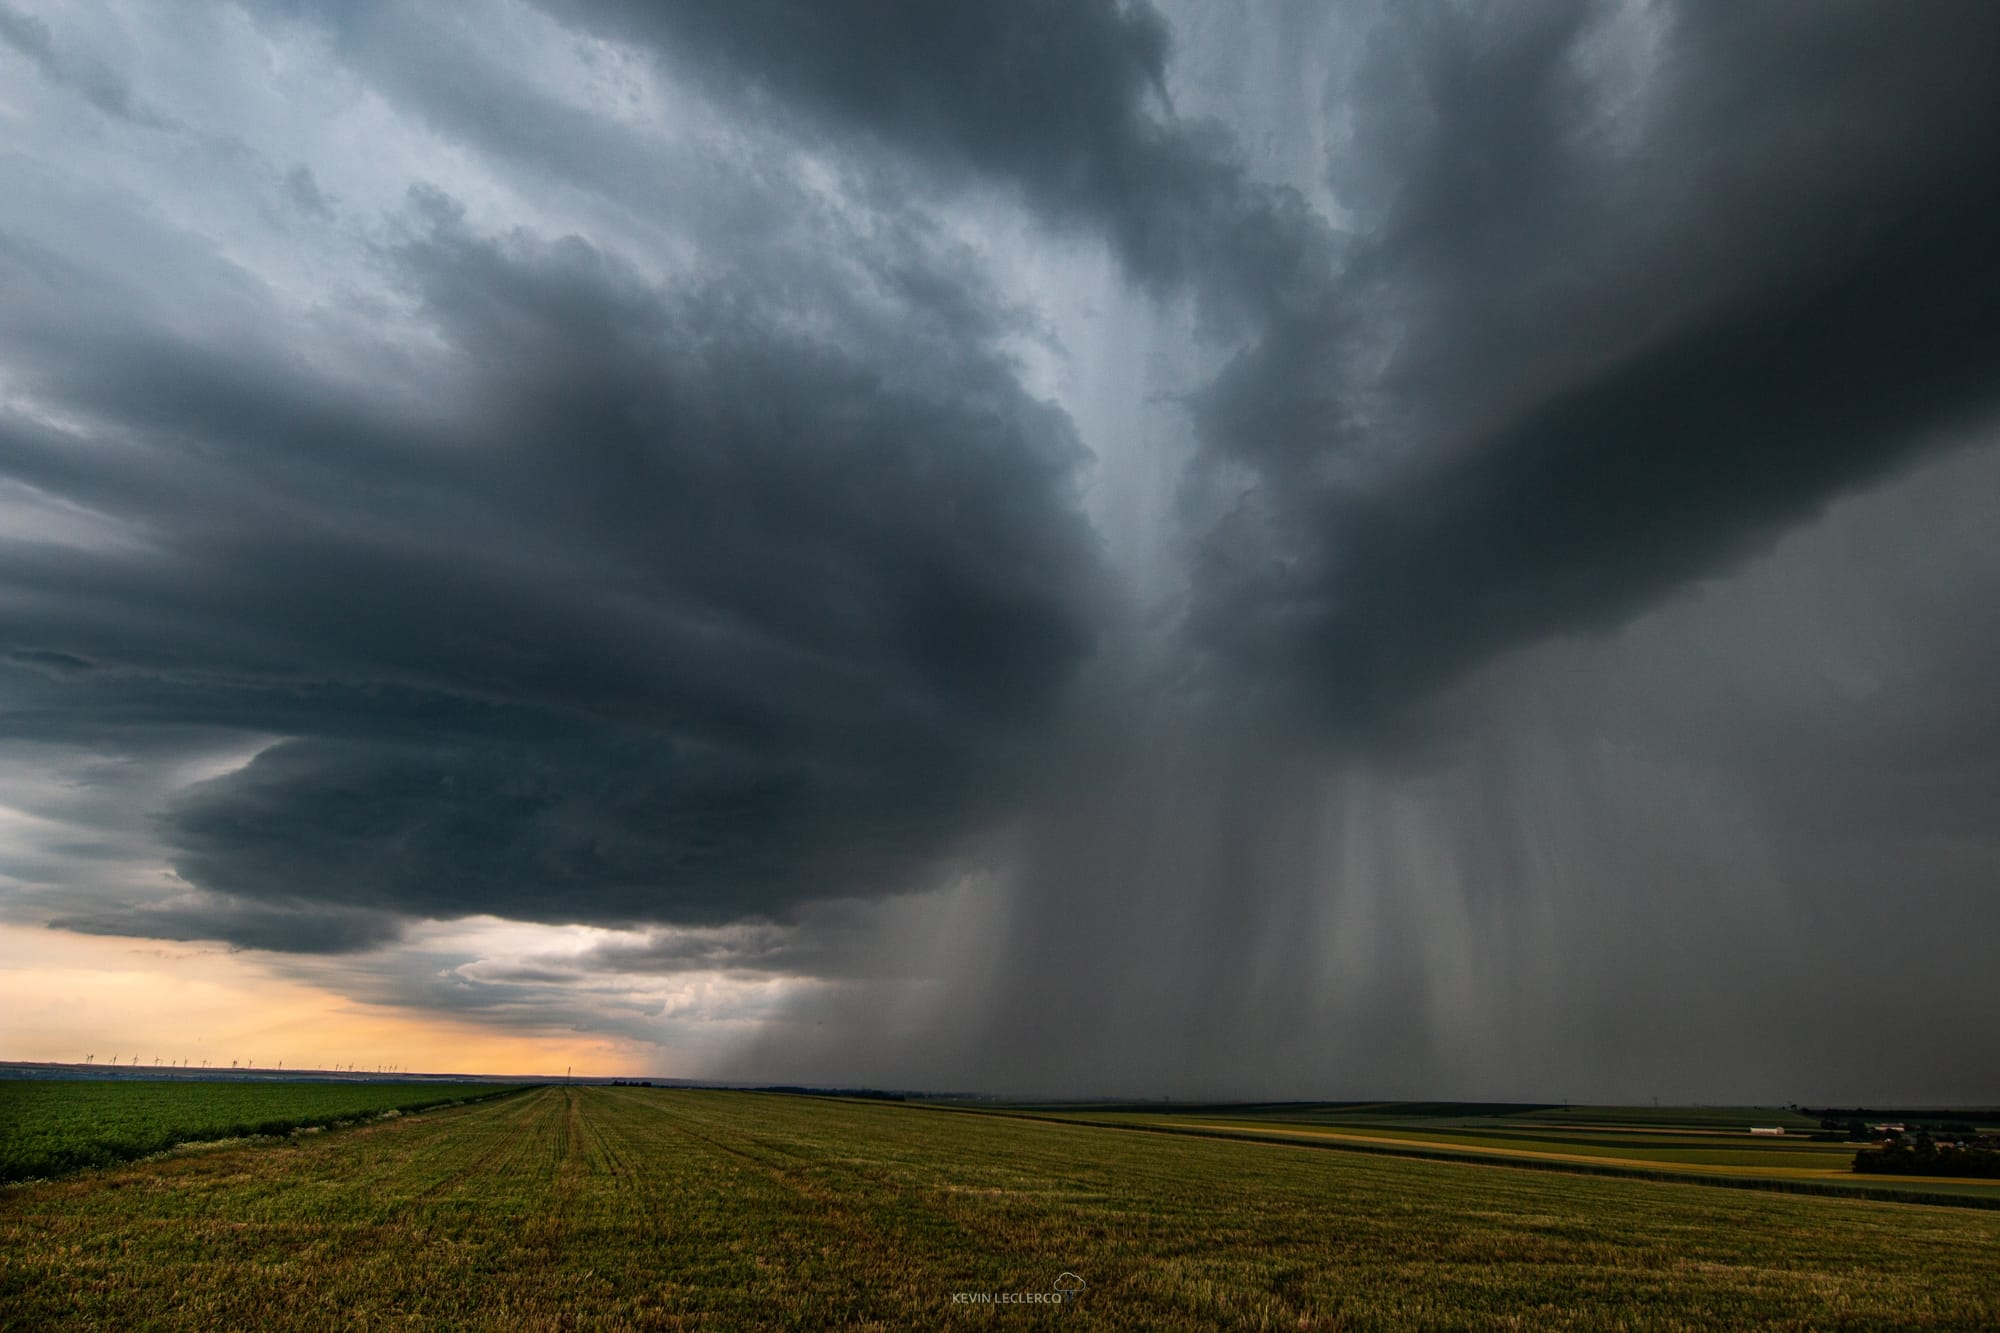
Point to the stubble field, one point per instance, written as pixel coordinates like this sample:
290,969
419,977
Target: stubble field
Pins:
655,1208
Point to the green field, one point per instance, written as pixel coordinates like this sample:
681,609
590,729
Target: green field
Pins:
52,1126
654,1208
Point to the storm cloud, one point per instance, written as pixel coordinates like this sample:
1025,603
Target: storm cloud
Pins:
1604,339
1368,548
1762,271
619,604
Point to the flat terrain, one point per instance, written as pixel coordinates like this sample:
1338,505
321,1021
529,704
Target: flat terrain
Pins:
50,1127
1695,1142
650,1208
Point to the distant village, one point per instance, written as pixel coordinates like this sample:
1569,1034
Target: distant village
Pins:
1916,1147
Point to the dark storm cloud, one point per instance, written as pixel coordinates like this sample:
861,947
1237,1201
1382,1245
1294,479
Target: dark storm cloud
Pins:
288,925
1064,103
1623,295
826,941
1578,350
1590,351
643,522
655,609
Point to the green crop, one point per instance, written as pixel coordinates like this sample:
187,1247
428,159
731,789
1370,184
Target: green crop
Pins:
48,1127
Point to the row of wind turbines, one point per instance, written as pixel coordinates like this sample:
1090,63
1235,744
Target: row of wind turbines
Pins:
161,1062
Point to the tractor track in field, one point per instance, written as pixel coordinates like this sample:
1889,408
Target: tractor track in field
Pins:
484,1162
836,1206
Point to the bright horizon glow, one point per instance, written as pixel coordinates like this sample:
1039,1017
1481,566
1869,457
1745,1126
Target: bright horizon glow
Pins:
66,995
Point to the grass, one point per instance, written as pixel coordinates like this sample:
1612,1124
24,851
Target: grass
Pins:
651,1208
50,1127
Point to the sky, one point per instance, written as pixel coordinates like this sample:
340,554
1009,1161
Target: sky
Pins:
1325,550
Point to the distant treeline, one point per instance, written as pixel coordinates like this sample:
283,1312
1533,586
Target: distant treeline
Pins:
1935,1115
874,1094
1868,1131
1924,1158
1861,1131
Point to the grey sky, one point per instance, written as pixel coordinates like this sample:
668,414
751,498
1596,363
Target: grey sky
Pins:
1437,548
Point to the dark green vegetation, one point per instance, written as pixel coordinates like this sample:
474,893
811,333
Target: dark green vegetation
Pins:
654,1208
1928,1159
48,1127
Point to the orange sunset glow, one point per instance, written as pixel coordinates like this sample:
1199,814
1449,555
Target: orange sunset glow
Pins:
64,996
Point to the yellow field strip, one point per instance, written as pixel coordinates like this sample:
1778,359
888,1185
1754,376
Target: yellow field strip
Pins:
1586,1127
